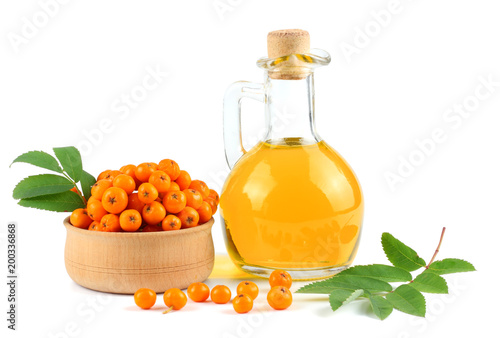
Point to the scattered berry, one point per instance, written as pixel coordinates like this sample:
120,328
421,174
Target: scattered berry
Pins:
249,288
242,303
220,294
279,297
280,278
175,299
145,298
198,292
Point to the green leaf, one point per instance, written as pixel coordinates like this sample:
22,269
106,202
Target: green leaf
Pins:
380,306
39,185
399,254
71,161
408,300
382,272
340,297
64,201
430,282
87,181
450,265
40,159
348,283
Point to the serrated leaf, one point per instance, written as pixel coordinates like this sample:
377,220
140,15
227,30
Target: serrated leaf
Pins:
401,255
382,272
430,282
86,182
348,283
71,161
339,297
38,185
450,265
408,300
380,306
40,159
64,201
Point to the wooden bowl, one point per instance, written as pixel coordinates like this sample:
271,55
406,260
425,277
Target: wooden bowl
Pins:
123,262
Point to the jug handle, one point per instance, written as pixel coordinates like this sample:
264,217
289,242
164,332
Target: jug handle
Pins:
233,144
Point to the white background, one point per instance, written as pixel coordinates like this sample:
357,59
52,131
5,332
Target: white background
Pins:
61,82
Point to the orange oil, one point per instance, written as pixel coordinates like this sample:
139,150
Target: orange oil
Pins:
292,206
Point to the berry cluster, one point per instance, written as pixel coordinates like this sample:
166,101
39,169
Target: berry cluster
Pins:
148,197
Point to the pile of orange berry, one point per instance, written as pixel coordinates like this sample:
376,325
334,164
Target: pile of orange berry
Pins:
279,297
148,197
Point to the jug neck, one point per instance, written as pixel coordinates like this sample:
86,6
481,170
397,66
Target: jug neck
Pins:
290,111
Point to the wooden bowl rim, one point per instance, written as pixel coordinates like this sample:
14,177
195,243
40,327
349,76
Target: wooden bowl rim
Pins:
202,227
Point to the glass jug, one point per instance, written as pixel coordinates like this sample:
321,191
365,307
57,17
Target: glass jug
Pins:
291,202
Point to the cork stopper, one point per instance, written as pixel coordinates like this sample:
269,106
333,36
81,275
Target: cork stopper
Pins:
283,44
287,41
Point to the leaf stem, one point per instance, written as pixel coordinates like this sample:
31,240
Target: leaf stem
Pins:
437,249
434,256
76,186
